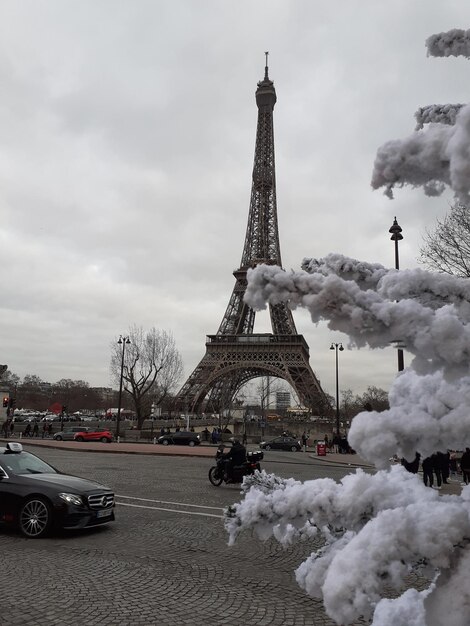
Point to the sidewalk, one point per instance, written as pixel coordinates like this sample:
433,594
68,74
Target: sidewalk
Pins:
117,448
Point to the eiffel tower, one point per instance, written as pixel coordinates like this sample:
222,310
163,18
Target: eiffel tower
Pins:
235,354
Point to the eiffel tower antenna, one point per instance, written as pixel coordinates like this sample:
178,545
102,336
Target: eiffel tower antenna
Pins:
235,355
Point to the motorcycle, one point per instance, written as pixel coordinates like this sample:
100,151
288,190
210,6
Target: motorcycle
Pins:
217,473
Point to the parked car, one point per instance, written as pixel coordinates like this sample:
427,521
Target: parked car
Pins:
181,437
36,497
92,434
68,434
282,443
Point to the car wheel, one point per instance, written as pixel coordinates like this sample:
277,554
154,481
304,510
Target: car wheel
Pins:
214,476
58,438
105,439
294,449
78,438
165,442
268,447
192,443
35,518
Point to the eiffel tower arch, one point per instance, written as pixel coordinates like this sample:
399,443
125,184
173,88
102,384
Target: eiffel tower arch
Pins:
235,354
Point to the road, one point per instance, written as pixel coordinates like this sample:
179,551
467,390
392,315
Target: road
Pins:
165,561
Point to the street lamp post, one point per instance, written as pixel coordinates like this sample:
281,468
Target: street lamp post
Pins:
122,341
336,347
396,231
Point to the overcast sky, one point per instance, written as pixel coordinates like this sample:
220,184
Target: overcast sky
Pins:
127,142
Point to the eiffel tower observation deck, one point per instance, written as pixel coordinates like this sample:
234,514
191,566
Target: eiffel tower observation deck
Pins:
235,354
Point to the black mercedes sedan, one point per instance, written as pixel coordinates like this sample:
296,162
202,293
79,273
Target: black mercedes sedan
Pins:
37,498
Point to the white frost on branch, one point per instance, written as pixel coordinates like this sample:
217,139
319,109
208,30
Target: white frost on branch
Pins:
432,158
381,530
427,413
365,275
431,315
437,114
455,42
394,523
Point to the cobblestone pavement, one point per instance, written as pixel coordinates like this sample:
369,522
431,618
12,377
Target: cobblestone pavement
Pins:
165,561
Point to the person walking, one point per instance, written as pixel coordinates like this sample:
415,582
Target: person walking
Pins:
336,441
444,462
27,430
427,472
453,465
465,466
36,430
304,441
5,428
437,469
12,428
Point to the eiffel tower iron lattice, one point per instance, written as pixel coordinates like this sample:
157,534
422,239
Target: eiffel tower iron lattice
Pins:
235,354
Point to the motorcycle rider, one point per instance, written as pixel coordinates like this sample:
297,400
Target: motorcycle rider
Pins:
235,456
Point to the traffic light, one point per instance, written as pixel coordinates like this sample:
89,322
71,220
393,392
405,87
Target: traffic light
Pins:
5,401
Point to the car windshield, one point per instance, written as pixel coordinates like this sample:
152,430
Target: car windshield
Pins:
25,463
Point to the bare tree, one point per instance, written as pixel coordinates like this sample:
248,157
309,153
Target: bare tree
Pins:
447,248
152,368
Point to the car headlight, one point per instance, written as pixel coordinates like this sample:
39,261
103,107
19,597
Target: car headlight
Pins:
71,498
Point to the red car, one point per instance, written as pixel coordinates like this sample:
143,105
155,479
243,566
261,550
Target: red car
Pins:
104,435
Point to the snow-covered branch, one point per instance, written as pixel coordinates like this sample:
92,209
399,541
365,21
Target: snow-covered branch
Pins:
455,42
373,531
437,114
430,316
432,158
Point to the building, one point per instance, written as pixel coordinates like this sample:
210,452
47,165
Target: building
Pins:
282,400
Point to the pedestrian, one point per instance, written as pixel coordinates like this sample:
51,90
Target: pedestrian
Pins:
444,461
336,441
50,431
162,431
412,466
36,429
304,441
244,439
453,464
44,430
344,445
465,466
27,430
12,428
427,471
5,428
437,469
206,434
214,436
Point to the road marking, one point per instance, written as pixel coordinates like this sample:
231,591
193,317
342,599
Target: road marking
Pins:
157,508
192,506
